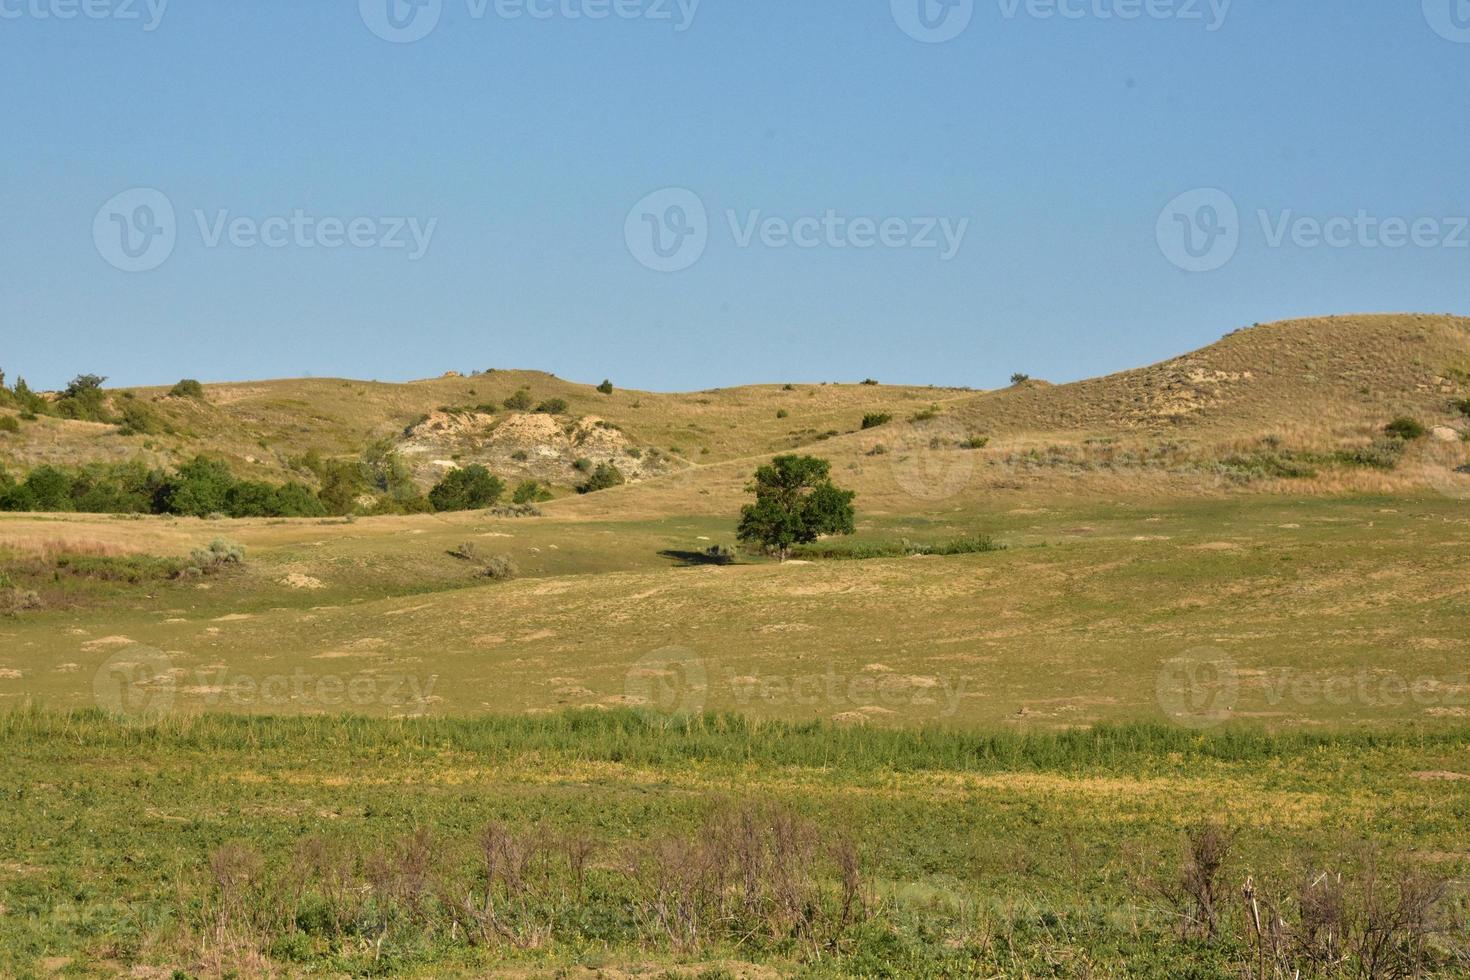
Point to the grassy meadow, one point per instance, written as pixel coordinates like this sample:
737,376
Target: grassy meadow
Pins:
614,844
1164,674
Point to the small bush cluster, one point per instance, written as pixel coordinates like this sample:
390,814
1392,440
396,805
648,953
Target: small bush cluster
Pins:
552,406
187,388
874,419
530,492
1406,428
606,387
219,555
470,488
604,477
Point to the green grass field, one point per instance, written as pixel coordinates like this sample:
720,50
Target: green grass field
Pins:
222,845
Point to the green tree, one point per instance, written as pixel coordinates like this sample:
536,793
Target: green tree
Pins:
199,489
795,503
187,388
49,489
469,488
606,387
84,399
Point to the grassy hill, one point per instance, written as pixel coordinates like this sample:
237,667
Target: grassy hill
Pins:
1305,386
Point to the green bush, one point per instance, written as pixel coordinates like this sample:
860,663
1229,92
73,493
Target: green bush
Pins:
187,388
521,401
470,488
975,442
606,387
9,423
1383,454
1406,428
583,465
84,399
604,477
530,492
138,419
1019,379
1462,405
552,406
200,488
781,413
874,419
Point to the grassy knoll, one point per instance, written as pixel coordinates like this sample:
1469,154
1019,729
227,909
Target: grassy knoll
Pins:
225,845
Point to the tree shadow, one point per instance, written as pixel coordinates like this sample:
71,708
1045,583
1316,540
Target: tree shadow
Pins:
691,559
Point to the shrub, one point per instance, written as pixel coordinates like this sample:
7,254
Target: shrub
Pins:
520,455
1383,454
606,387
583,465
975,442
9,423
84,399
781,413
1406,428
187,388
1462,405
874,419
137,419
604,477
924,415
519,402
530,492
501,568
470,488
1019,379
219,555
13,601
869,381
552,406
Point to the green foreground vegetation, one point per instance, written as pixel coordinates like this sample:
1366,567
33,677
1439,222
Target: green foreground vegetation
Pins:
222,845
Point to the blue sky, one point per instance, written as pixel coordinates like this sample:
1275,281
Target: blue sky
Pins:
519,146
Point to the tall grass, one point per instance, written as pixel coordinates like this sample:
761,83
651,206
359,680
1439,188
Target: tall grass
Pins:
640,738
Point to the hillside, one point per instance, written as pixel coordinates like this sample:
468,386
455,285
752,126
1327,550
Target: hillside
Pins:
1305,386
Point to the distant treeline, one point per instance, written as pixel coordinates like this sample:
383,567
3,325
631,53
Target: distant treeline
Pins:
199,488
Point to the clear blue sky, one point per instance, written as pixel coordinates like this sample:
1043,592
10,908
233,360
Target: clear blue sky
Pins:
529,140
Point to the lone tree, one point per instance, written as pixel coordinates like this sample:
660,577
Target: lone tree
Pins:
795,503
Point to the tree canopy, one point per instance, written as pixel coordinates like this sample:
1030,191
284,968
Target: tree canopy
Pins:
795,503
